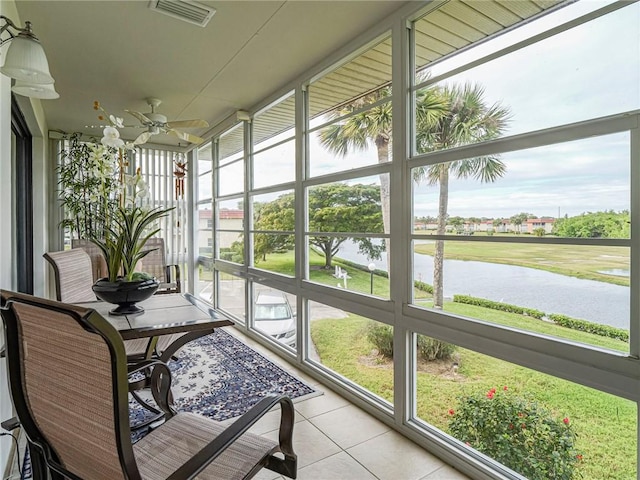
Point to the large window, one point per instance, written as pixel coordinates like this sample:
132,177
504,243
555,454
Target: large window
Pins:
452,218
522,183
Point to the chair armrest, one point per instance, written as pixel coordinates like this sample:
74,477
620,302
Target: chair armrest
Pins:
215,448
159,383
170,278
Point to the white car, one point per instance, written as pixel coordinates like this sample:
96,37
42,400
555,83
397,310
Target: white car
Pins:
273,315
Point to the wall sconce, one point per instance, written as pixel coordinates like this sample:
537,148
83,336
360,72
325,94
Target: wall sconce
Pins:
26,62
44,91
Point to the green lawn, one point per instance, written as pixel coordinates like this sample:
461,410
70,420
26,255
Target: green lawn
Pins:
573,260
359,281
606,425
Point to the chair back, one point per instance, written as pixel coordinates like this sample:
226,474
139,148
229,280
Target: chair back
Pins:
68,382
155,262
73,275
98,263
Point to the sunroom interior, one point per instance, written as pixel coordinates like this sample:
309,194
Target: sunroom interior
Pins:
482,154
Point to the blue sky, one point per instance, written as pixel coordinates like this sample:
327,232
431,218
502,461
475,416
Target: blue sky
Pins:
586,72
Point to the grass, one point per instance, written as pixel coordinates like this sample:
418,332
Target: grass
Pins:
581,261
606,425
359,281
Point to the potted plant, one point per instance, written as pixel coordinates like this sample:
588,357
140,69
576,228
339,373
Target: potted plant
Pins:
123,247
102,201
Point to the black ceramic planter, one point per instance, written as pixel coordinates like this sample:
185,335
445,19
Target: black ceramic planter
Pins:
125,294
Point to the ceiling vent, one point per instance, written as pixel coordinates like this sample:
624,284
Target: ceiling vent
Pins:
186,10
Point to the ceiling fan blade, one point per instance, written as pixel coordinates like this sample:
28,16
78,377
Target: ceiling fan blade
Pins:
139,116
186,136
188,124
142,138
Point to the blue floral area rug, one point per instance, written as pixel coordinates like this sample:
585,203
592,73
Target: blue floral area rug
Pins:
220,377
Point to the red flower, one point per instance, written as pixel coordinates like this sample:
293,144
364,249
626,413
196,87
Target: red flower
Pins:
579,457
490,395
566,420
504,388
451,411
493,390
511,426
521,414
523,426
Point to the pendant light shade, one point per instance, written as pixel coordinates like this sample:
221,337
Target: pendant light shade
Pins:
44,91
25,61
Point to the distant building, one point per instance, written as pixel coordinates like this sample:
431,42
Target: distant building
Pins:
544,222
229,220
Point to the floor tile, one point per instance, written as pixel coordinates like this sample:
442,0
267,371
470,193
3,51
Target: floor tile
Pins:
266,474
446,473
338,466
391,456
349,426
271,421
309,380
309,443
320,404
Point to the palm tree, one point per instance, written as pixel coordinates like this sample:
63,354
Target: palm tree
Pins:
467,120
373,125
358,131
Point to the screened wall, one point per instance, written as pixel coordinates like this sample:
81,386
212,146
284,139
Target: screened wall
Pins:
443,219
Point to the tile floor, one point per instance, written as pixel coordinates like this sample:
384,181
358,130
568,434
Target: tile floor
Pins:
334,439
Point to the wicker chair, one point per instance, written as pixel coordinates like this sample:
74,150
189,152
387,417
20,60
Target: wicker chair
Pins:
98,263
155,264
73,277
75,413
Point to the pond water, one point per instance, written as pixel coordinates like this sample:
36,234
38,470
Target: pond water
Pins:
526,287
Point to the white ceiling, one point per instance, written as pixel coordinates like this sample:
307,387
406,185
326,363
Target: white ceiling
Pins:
120,52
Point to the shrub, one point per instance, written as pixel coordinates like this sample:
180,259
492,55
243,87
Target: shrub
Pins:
358,266
505,307
591,327
562,320
431,349
424,287
518,433
381,336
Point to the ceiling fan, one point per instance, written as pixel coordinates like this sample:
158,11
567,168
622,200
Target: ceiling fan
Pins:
156,123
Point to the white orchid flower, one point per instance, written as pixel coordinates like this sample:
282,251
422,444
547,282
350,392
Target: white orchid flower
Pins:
142,189
112,138
116,121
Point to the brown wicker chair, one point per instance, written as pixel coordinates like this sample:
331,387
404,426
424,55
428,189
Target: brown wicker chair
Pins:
98,263
75,413
72,270
155,264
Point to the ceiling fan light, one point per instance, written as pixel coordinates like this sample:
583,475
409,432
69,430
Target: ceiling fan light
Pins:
26,61
44,91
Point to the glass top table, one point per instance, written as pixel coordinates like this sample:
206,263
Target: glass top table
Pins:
164,314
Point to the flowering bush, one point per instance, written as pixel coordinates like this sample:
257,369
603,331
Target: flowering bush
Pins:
518,433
